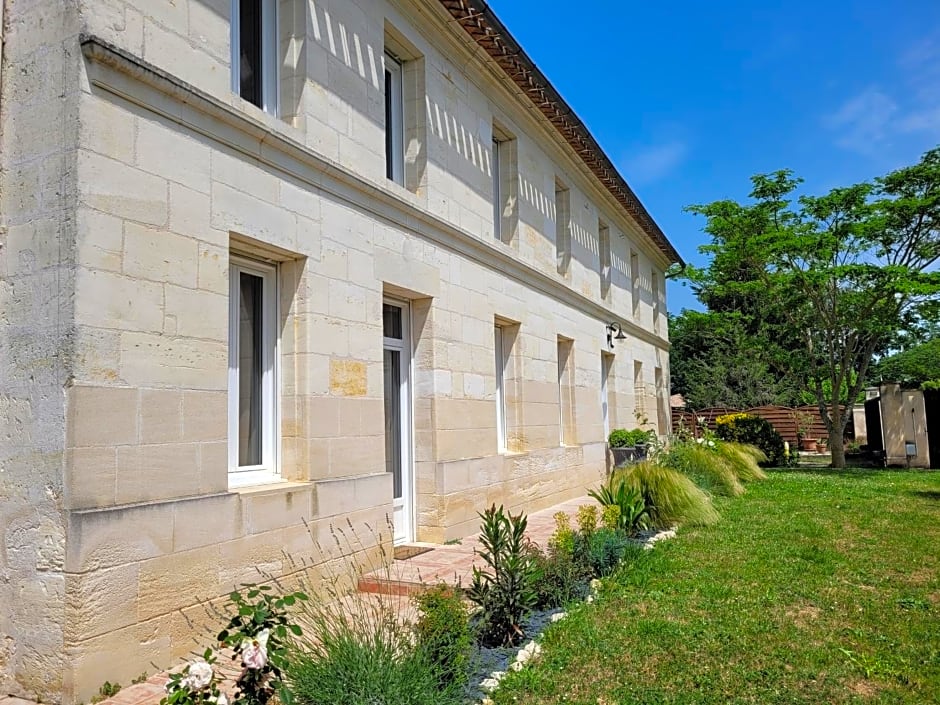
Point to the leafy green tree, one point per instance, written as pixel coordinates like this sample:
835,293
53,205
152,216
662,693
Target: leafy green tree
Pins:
838,275
917,364
715,361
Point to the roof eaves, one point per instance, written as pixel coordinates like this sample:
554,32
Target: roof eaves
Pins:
479,21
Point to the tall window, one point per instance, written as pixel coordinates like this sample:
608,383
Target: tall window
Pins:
497,189
654,291
639,390
607,392
500,349
254,52
662,417
394,121
503,168
603,246
565,391
635,283
562,227
252,371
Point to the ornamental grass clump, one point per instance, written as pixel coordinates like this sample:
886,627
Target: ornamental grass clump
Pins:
706,465
671,497
356,648
744,459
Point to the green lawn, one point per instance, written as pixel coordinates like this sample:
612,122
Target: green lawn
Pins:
816,587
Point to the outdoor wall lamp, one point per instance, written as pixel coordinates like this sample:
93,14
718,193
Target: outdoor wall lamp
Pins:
611,327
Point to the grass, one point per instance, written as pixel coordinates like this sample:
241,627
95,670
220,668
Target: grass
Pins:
815,587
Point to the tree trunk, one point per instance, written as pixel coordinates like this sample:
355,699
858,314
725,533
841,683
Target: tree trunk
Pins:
837,448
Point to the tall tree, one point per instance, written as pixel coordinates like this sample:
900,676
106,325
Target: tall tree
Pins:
839,275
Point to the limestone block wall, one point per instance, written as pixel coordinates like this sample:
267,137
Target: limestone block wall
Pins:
118,237
38,119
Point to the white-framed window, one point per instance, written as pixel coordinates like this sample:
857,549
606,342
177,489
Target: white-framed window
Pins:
654,292
394,121
635,283
497,190
604,259
253,422
565,391
500,348
254,52
562,227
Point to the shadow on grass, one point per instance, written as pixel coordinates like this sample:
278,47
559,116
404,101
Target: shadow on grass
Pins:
927,494
859,472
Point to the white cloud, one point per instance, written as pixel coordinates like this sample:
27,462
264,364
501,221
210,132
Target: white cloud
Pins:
871,119
863,121
654,162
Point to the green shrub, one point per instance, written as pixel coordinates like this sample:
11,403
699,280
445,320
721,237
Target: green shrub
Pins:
622,438
506,590
562,578
355,648
356,667
631,508
744,459
757,431
443,632
605,548
671,497
706,465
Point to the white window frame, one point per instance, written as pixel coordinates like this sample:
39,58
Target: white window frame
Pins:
394,121
268,470
501,435
270,88
607,363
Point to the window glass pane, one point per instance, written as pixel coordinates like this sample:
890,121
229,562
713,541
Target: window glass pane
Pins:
392,360
391,321
249,40
389,125
249,369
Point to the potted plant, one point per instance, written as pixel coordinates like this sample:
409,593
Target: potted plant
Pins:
628,446
804,424
822,445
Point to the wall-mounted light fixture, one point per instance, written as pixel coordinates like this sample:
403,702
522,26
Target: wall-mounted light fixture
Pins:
611,328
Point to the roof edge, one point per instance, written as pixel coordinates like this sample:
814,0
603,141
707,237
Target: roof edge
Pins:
485,28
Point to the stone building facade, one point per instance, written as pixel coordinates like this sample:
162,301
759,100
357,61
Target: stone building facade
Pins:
268,264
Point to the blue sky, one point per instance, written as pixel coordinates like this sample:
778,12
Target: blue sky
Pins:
689,99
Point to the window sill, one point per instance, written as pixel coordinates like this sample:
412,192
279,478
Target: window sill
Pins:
252,479
274,485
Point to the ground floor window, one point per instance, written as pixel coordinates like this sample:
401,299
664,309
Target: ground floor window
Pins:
252,372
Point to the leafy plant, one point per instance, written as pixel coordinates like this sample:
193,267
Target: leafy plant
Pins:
105,691
632,510
257,634
562,578
443,632
670,497
755,430
605,548
622,438
562,540
587,519
506,591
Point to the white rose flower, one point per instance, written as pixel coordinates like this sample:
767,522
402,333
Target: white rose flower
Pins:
595,585
516,666
558,616
198,676
590,599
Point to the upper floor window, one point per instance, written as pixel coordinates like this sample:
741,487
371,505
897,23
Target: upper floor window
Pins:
254,52
603,246
394,121
504,169
562,227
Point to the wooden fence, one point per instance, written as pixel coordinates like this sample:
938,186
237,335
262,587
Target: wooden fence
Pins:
783,418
